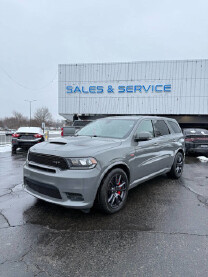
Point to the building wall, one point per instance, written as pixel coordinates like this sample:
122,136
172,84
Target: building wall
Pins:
162,87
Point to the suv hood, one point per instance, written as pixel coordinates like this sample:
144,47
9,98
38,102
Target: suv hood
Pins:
80,146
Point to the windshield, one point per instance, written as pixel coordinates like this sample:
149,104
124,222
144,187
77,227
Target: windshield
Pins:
108,128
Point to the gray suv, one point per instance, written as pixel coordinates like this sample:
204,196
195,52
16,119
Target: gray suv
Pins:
103,161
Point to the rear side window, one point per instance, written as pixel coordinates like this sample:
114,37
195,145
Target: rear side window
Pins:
161,128
175,127
145,126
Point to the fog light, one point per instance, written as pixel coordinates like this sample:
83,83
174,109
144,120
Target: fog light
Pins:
74,196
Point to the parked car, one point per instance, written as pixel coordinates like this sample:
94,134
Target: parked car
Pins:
25,137
196,141
103,161
71,130
9,132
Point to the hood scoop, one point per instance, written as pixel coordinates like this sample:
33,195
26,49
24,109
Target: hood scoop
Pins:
58,142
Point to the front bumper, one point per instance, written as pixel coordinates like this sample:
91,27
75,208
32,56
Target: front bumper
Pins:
198,150
64,183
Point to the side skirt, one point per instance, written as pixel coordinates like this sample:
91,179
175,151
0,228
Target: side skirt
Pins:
146,178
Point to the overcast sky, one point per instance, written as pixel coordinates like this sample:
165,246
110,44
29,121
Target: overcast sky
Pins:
37,35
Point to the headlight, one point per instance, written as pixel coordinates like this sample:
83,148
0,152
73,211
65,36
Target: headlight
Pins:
81,163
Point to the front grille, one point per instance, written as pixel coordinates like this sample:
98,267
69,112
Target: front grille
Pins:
46,169
49,160
42,188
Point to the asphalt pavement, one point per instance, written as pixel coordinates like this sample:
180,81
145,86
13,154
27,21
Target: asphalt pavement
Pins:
162,231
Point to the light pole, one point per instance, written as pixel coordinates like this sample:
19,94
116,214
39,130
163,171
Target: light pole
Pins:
30,101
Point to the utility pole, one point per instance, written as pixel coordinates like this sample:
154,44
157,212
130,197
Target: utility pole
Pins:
30,101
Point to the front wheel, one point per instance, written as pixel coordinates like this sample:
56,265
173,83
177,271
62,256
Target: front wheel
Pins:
177,167
113,192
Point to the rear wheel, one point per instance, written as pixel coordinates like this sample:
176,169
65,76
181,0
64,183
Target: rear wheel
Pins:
14,148
177,167
113,192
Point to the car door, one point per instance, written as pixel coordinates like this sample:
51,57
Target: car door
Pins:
147,152
164,139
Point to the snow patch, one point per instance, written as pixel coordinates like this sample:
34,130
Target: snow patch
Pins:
5,148
55,132
30,130
54,138
203,159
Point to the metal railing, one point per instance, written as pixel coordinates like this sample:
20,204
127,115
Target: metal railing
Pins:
4,140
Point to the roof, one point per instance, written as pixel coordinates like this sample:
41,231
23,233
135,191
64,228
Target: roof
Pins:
139,117
195,131
30,130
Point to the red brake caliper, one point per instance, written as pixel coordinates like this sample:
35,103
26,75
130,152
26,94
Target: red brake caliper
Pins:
119,191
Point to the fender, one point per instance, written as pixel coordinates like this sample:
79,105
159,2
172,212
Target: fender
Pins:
109,167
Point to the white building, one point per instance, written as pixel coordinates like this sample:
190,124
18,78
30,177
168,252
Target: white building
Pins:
174,88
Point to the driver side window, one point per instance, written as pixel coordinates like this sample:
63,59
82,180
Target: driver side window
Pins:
145,126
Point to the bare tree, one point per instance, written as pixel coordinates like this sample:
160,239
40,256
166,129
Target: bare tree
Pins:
43,115
15,121
1,123
19,119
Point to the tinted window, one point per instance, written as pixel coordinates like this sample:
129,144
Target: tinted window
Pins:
108,128
175,127
161,128
145,126
80,123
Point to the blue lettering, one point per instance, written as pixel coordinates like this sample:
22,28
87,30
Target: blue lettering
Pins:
110,89
158,90
121,89
69,89
146,90
99,89
167,88
137,88
129,89
84,91
77,89
92,89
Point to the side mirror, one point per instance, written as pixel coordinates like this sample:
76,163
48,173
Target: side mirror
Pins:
143,136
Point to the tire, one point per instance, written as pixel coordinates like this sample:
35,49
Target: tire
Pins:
14,148
113,192
177,167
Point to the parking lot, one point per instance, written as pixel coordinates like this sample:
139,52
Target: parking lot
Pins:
162,231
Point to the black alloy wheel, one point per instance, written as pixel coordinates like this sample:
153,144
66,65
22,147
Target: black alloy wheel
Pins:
113,192
14,148
177,167
179,164
116,190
